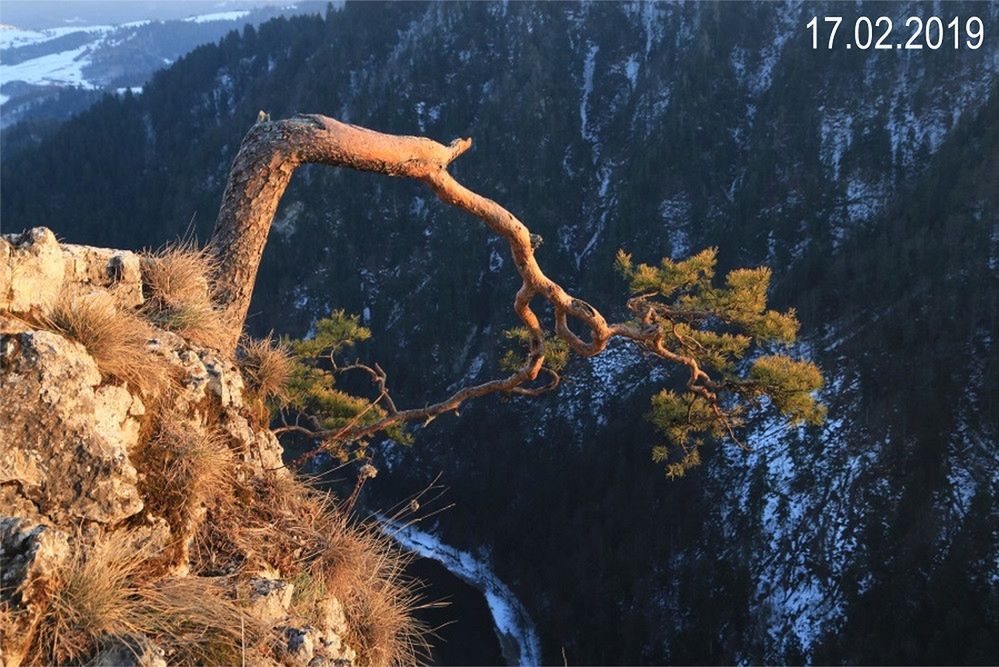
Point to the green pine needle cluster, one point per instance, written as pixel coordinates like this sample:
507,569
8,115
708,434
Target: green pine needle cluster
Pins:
789,384
732,335
556,350
332,335
311,388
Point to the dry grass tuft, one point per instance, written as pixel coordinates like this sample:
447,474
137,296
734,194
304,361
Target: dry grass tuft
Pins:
304,535
378,611
381,626
273,523
197,622
94,596
179,296
267,366
115,337
107,594
367,572
183,469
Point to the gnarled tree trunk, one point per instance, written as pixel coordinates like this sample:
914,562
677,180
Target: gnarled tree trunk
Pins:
269,155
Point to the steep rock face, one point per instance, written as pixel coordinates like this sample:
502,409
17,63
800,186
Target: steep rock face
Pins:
31,554
68,456
69,442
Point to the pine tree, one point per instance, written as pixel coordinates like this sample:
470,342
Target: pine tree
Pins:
726,330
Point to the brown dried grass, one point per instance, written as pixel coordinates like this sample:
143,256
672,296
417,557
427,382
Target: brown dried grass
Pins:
267,366
381,625
105,592
179,298
310,540
115,337
94,596
184,468
197,622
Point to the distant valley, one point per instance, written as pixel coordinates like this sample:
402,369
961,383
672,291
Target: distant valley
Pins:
51,73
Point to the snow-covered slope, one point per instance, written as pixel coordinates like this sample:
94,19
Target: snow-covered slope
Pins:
80,60
54,65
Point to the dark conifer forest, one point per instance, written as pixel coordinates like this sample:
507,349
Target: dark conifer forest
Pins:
867,181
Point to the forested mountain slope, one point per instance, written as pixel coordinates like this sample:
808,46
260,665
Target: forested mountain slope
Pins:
865,179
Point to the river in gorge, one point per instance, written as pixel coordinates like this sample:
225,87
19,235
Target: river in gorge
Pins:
483,622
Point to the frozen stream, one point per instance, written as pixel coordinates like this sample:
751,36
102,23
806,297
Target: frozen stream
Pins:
516,632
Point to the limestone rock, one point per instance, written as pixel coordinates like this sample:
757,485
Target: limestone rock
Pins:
224,381
301,647
29,552
309,646
31,271
66,438
69,470
35,267
129,652
269,599
117,270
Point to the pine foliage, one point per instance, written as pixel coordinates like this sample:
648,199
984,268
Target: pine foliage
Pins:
556,350
726,329
311,386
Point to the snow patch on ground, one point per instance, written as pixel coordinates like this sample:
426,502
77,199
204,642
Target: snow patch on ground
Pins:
425,113
218,16
286,222
605,202
589,67
64,67
972,452
652,23
738,61
809,519
495,260
761,79
675,214
994,248
836,133
631,68
863,199
602,381
12,36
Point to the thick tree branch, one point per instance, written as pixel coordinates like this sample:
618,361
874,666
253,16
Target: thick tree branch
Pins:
269,155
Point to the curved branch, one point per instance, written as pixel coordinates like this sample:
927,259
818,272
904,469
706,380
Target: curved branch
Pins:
261,171
269,155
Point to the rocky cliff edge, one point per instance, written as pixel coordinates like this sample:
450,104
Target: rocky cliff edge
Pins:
119,504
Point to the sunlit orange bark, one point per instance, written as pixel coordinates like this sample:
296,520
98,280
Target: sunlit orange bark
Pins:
269,155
